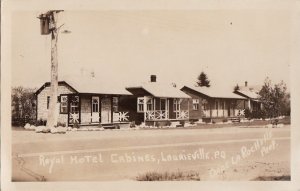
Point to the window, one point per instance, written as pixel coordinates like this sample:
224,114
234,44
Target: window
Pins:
64,104
217,105
204,104
195,104
140,104
74,105
95,104
115,104
48,101
176,105
149,104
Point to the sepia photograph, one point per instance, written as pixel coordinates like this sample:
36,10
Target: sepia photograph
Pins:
139,95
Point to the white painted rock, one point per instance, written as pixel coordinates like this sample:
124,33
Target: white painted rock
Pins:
280,125
27,126
32,127
69,128
40,129
61,129
74,129
269,126
54,130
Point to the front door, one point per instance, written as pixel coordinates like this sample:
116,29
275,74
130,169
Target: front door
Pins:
106,110
163,104
95,109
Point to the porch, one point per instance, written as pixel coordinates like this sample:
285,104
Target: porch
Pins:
163,109
93,109
230,109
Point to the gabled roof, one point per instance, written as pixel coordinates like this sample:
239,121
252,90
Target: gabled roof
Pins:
160,90
248,93
93,85
215,92
60,83
90,85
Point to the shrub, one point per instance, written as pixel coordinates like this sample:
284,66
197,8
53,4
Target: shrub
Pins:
225,120
182,123
156,124
117,126
61,124
258,114
168,123
192,122
76,125
132,124
41,122
248,113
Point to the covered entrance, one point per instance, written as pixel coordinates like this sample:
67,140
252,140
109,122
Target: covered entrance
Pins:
106,110
95,109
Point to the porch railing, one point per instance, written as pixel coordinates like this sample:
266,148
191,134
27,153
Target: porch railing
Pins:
183,114
87,117
156,115
120,116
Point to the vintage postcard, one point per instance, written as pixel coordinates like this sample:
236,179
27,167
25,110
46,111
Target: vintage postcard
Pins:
182,94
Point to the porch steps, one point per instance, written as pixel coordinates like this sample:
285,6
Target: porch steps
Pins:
105,126
234,119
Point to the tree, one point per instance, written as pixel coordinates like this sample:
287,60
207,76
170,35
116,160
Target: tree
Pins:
23,105
236,88
275,100
203,80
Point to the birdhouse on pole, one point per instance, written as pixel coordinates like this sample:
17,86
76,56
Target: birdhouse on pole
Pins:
45,24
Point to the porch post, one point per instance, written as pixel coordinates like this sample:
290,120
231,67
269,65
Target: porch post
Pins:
68,106
111,109
91,108
79,108
100,106
210,108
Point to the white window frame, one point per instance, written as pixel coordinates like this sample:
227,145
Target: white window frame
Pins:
95,105
196,104
149,104
64,104
115,104
140,104
176,105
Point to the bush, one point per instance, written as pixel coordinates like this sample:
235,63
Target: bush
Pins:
248,113
192,122
41,122
168,123
182,123
132,124
225,120
156,124
61,124
258,114
117,126
76,125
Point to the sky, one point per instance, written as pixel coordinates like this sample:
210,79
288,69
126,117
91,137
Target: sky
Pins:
127,46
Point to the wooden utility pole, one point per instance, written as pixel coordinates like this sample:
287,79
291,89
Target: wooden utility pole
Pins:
49,26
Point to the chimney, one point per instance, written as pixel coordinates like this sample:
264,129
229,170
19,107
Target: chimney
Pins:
246,83
153,78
